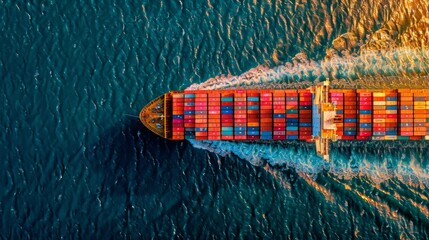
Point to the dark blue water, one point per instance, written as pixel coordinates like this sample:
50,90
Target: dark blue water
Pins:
76,165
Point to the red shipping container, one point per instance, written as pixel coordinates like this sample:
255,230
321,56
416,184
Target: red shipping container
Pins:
305,103
363,138
305,120
227,137
365,134
213,138
365,94
252,137
214,133
279,137
304,94
364,107
364,99
291,133
304,133
365,104
406,133
240,137
416,138
304,99
279,124
406,117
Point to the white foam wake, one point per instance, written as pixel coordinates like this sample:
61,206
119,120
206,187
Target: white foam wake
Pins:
304,72
348,159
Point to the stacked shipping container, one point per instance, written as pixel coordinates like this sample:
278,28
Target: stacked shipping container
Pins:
292,114
279,115
240,115
379,117
364,115
201,123
305,106
214,122
177,116
189,111
253,115
391,115
405,115
350,115
227,115
266,119
419,115
427,116
286,114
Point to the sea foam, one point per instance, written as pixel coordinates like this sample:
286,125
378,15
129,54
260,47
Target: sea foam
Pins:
377,160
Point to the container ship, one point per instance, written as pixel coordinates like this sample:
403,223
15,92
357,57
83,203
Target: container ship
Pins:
318,114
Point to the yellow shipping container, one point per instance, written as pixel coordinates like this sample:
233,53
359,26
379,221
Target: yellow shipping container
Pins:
389,137
379,94
379,103
419,120
379,120
391,120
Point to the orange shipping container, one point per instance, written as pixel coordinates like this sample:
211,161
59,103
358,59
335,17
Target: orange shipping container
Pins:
419,116
365,120
365,116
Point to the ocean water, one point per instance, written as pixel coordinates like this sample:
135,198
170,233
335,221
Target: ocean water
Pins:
77,164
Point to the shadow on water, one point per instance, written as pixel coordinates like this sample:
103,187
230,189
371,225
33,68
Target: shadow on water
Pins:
148,186
156,186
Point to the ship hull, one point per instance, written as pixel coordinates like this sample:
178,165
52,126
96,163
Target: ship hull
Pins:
248,115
